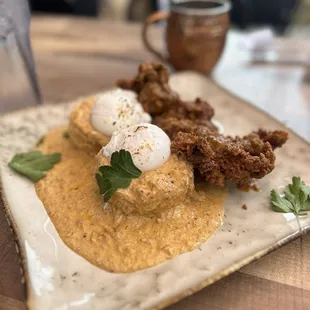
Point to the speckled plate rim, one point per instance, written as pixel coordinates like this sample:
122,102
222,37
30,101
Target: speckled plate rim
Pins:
169,301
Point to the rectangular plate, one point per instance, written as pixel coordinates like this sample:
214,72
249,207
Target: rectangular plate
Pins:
57,278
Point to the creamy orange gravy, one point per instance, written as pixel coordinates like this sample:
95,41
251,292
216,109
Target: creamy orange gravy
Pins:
108,238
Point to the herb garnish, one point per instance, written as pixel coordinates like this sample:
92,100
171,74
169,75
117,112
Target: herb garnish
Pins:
33,164
296,198
118,175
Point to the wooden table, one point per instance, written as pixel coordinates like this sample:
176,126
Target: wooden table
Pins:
79,56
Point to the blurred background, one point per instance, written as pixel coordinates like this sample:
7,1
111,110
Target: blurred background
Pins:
266,37
283,16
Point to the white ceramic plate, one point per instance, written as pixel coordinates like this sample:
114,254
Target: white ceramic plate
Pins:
57,278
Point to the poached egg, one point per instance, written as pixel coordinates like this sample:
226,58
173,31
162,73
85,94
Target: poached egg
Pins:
148,145
117,109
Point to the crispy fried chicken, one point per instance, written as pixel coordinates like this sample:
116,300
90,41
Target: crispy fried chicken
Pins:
151,86
157,98
218,158
173,125
195,138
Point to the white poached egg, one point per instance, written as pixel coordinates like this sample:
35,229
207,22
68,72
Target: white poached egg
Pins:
117,109
148,145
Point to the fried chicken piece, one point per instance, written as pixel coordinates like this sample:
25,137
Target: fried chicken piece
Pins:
151,86
195,138
276,138
173,125
157,98
198,111
218,158
147,73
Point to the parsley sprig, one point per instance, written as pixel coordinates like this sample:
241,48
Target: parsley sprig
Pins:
296,198
34,164
119,175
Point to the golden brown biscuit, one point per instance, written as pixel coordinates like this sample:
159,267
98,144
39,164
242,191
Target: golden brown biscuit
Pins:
82,134
155,190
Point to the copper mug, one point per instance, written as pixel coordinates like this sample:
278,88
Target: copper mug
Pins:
196,33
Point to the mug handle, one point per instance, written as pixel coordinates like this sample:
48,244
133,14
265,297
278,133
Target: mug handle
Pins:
153,18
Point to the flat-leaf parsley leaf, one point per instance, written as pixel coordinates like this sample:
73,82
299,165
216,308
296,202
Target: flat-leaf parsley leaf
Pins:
119,175
296,198
34,164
